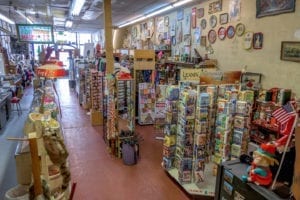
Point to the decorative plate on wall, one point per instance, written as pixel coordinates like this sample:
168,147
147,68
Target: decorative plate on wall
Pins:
212,36
240,29
213,21
203,24
222,33
230,31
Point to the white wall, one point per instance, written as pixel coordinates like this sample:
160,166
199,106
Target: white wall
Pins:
232,56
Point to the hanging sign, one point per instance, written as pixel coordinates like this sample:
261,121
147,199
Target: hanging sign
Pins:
219,77
190,74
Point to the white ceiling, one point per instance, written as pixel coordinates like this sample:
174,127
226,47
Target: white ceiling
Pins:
90,19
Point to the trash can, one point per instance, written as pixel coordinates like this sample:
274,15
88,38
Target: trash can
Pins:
128,154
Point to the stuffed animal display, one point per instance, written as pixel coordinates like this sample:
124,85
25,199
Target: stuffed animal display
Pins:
259,171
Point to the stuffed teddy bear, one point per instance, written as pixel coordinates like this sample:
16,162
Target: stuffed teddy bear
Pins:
259,171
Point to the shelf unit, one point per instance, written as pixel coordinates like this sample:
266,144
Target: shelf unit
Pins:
125,105
144,62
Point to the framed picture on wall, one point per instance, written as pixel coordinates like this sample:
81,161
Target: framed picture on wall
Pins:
215,6
269,7
234,10
203,24
203,41
290,51
180,14
258,40
194,17
247,40
200,12
224,18
166,21
251,81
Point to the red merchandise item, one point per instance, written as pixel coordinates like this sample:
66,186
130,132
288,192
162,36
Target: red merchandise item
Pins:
259,179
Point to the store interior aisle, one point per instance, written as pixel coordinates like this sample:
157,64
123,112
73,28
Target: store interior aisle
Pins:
14,128
101,176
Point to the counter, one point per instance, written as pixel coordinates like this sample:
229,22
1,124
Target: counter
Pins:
5,108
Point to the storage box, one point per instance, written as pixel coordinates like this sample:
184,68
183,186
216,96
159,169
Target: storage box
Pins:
96,118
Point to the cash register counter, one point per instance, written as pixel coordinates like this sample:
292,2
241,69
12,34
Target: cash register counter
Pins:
231,187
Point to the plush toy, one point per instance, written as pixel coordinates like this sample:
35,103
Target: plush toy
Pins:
259,172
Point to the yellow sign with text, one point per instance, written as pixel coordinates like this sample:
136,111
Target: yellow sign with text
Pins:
193,74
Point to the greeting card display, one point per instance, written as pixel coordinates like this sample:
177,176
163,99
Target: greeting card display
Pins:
146,103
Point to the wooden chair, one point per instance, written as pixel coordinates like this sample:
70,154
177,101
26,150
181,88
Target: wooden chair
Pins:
15,101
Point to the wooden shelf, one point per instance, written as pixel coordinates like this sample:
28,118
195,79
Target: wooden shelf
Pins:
184,64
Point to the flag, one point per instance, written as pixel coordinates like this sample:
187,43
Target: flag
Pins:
284,113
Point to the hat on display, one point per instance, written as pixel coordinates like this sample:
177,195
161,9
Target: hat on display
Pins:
267,150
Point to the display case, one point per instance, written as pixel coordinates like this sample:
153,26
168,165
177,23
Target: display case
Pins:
230,185
48,154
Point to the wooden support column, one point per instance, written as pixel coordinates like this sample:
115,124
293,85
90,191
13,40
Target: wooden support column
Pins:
108,36
36,167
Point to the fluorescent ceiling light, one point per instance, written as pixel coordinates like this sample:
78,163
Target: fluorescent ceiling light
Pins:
77,6
3,17
164,9
179,3
159,11
69,24
27,19
133,21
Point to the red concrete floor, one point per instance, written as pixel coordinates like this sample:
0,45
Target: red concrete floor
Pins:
101,176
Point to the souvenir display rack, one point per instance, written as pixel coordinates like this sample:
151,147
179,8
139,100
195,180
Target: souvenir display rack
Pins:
125,104
80,67
201,136
146,112
170,127
126,116
143,70
86,96
187,165
49,168
96,97
185,135
160,110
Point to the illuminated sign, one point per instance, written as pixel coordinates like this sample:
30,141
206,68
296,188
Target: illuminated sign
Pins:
35,33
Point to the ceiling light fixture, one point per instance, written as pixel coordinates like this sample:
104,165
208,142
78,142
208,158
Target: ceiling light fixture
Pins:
133,21
76,7
69,24
22,15
169,7
3,17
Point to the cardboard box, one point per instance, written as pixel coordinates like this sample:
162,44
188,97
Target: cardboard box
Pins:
96,118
